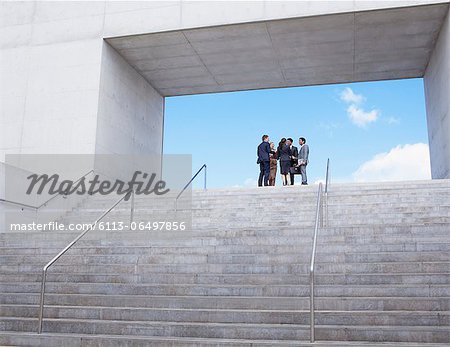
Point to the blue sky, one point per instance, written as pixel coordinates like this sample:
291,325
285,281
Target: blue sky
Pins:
370,131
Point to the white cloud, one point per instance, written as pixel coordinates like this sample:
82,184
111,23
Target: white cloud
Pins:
404,162
349,96
361,118
355,112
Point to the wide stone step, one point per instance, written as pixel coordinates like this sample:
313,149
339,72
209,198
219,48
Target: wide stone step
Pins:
234,302
170,315
338,244
235,331
334,248
125,240
299,241
155,328
273,290
363,230
217,228
243,279
241,213
383,333
351,204
424,195
400,318
76,340
394,267
308,202
394,257
349,189
403,250
334,213
78,257
161,289
234,222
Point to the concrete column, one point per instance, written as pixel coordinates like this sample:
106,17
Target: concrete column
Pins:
130,111
437,94
129,119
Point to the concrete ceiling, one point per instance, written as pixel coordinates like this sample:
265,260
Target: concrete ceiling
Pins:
351,47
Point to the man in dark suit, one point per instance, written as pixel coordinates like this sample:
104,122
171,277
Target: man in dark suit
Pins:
264,161
294,156
303,159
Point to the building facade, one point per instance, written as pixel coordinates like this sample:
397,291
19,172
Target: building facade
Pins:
91,77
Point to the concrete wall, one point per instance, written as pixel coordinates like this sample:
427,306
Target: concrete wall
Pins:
51,63
49,77
50,66
437,94
130,111
129,121
137,17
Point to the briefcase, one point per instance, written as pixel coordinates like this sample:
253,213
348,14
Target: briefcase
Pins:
295,170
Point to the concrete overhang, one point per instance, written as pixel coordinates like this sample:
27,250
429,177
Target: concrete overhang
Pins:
338,48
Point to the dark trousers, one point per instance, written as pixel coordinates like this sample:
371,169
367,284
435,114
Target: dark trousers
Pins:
292,179
264,172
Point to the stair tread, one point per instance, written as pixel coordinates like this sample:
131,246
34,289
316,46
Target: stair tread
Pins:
215,341
237,249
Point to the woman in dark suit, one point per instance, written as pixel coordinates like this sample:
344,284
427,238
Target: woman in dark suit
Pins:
284,155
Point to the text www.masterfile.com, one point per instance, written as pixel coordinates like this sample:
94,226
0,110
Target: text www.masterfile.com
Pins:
106,226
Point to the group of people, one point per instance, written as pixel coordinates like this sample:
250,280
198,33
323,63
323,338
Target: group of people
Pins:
292,161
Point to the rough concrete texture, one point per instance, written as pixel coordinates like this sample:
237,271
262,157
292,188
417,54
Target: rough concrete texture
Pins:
437,93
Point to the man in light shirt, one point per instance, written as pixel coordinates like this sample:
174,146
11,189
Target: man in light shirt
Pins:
303,160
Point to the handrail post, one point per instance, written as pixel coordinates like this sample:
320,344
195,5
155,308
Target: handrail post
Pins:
321,214
327,180
317,224
204,186
311,307
132,207
41,302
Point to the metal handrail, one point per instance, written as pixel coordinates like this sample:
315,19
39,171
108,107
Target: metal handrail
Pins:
322,196
190,181
327,181
313,259
45,202
51,262
59,194
18,203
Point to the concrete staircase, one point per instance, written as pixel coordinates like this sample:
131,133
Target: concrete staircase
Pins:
240,276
